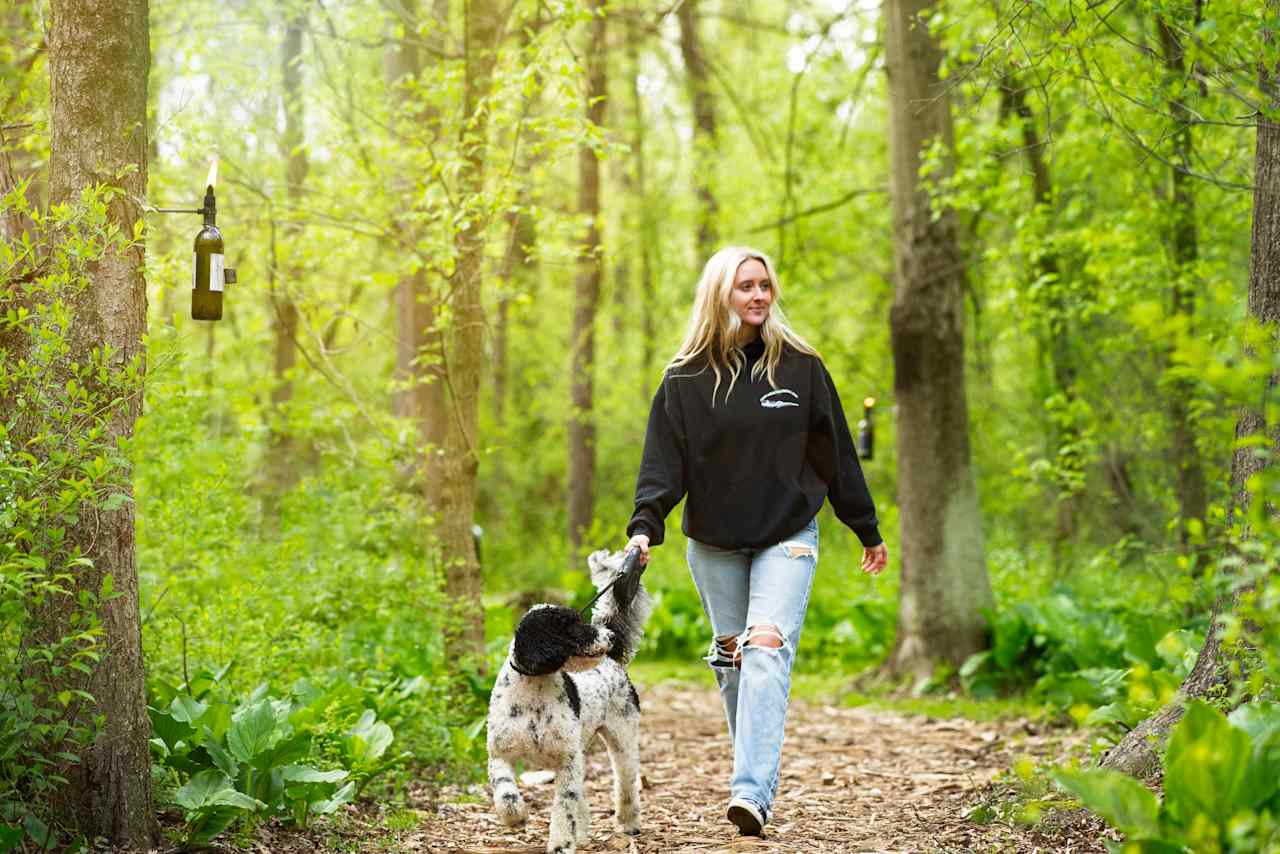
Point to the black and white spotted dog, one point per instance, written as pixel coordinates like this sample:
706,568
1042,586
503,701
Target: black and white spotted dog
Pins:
562,683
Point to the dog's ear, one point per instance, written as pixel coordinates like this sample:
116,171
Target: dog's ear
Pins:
547,637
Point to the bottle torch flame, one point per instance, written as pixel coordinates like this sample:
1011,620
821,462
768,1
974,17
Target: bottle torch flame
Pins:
213,173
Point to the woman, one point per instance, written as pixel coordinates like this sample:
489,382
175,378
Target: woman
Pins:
748,423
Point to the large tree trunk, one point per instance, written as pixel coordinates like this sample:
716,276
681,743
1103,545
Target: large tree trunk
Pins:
582,347
464,639
704,128
944,588
1193,498
1138,753
99,58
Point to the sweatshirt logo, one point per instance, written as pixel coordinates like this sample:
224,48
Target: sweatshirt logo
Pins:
778,398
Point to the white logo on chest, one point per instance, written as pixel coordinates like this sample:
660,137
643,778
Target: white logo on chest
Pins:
778,398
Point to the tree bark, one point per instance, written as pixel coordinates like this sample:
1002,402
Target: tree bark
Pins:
647,231
281,467
519,270
1056,333
99,59
419,339
1139,752
704,129
944,588
464,638
582,348
1189,478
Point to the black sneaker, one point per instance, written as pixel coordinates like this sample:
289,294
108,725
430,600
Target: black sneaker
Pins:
747,816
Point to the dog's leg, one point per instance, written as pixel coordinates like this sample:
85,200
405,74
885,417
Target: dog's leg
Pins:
507,802
568,824
623,740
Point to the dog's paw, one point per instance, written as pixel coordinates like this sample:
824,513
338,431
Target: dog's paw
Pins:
628,819
511,809
562,847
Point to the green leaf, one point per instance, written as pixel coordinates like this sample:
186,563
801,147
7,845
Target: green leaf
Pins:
343,796
1260,720
1124,802
10,838
368,739
1262,723
39,831
286,752
307,774
224,760
202,790
209,823
187,709
115,501
253,730
1205,765
167,729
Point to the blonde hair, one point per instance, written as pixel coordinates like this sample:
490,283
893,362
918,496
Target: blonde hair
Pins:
714,325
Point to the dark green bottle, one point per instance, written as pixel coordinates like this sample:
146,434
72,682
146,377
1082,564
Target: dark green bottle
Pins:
208,275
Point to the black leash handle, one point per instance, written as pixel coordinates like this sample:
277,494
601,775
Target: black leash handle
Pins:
629,574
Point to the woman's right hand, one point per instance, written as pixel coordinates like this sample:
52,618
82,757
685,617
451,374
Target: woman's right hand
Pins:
641,542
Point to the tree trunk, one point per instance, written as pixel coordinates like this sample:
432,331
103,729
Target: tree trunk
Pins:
402,63
464,639
1193,498
582,347
282,458
519,269
419,342
519,263
1138,753
99,58
704,129
647,232
944,588
1056,335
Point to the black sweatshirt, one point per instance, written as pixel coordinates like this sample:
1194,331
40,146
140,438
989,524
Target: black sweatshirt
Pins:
757,466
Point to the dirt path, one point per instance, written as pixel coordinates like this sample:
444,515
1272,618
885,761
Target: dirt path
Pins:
852,780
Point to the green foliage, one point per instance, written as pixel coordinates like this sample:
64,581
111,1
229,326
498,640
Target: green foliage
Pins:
224,760
58,466
1221,786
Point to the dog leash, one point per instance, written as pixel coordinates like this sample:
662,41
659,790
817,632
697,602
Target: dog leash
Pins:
624,584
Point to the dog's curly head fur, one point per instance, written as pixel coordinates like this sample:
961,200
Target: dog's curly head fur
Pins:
553,637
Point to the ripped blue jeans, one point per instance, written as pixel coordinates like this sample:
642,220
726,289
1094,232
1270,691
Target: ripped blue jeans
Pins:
755,598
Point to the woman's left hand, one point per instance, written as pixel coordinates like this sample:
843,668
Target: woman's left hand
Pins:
875,559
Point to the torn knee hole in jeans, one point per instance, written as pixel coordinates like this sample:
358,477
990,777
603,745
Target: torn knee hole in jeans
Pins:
724,652
794,549
764,636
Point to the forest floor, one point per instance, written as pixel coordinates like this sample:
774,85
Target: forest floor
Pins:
853,780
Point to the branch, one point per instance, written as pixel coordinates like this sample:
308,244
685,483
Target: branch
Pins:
823,208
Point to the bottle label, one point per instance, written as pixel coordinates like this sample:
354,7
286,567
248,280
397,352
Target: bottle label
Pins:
216,270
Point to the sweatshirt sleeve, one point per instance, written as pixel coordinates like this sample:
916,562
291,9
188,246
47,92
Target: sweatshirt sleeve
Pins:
660,484
834,458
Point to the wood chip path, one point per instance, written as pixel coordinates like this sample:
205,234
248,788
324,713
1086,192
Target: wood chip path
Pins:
853,780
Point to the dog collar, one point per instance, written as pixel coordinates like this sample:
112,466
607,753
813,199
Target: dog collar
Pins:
518,669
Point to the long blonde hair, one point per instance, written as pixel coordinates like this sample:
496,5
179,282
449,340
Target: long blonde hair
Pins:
714,325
